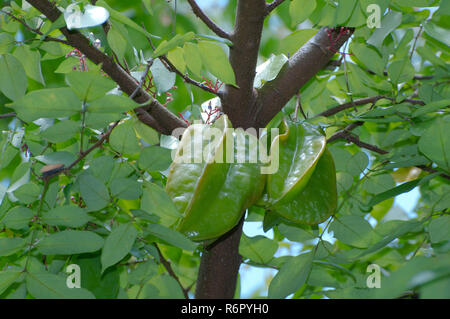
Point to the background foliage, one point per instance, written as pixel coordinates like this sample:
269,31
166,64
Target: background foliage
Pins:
109,213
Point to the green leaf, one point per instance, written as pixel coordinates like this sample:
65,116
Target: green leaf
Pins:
61,131
6,43
69,216
112,104
216,61
354,231
294,233
416,272
259,249
177,40
124,19
9,246
13,79
192,58
118,244
70,242
162,287
7,278
148,6
149,135
27,193
48,103
436,32
431,107
49,286
300,10
123,139
400,71
163,78
156,201
357,163
117,41
170,236
343,12
102,167
103,286
155,158
94,192
292,275
439,229
435,143
18,218
369,57
31,61
89,85
388,24
125,188
269,70
176,56
294,41
65,158
143,272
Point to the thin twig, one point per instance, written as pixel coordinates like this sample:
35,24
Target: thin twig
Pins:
141,82
418,77
355,140
415,41
271,6
169,66
346,134
169,269
3,116
206,20
93,147
186,78
366,100
34,30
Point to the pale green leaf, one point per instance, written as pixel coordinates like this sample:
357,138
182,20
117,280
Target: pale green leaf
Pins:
50,286
216,61
13,79
48,103
69,216
291,277
94,192
70,242
118,244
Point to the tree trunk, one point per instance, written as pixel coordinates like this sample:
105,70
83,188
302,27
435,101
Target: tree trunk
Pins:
219,267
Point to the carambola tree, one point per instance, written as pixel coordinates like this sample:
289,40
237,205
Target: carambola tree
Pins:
138,137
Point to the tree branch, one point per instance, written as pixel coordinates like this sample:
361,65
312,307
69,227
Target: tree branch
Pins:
93,147
166,120
297,71
346,134
336,109
271,6
239,101
6,115
206,20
